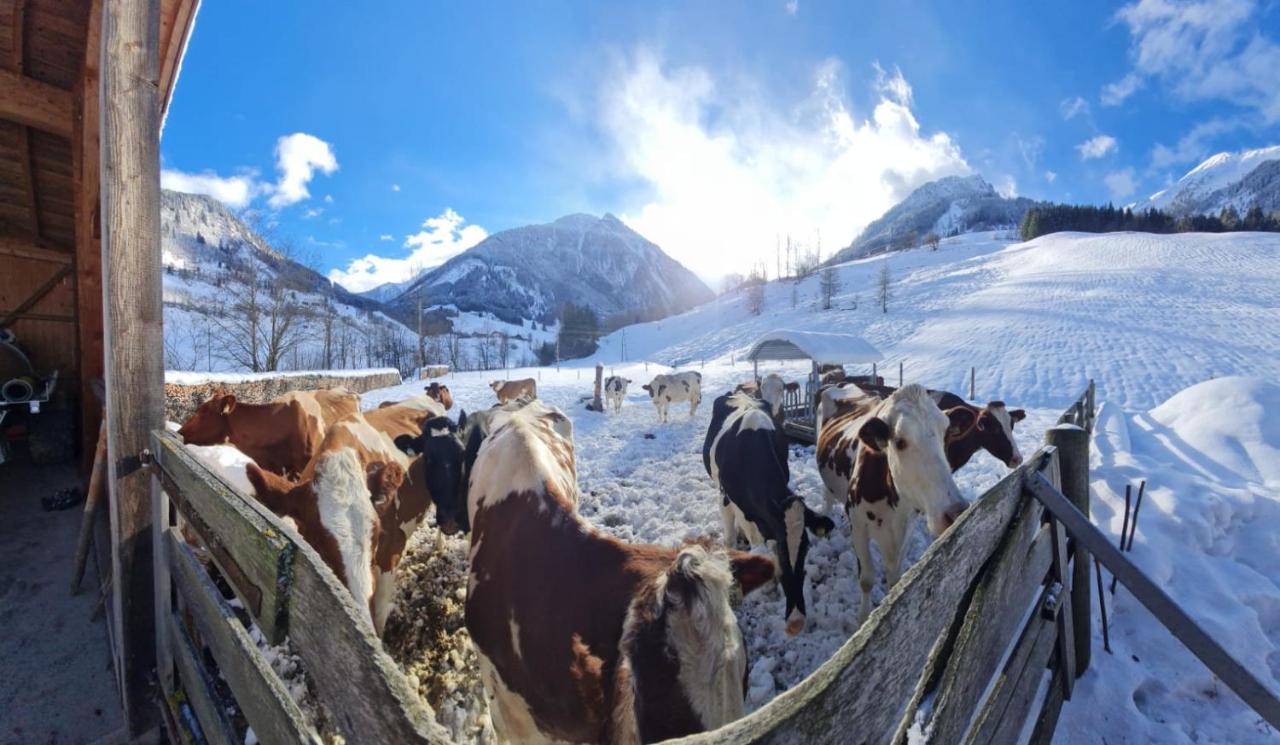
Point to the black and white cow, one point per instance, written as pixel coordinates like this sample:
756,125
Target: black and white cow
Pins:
746,456
671,388
615,390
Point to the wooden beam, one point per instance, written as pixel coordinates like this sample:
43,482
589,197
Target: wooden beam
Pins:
134,331
35,297
86,175
28,250
28,101
17,64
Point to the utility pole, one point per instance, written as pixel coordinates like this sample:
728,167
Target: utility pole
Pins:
422,349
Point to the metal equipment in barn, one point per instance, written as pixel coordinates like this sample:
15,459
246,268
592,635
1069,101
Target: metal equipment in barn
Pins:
821,349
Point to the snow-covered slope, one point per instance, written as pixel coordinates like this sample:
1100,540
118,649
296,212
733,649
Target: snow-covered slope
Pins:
1145,315
948,206
1239,180
528,272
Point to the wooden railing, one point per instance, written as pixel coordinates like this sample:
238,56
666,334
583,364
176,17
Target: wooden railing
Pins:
288,593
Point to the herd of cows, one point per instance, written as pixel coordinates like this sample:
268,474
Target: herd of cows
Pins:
582,637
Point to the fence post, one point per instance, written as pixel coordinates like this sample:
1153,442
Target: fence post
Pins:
1072,443
899,374
972,389
596,404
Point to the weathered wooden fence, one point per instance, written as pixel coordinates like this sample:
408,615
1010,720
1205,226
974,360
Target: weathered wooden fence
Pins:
289,593
976,643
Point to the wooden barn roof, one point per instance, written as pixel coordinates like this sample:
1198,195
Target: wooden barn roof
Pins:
42,49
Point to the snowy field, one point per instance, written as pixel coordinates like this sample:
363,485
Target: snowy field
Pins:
1161,322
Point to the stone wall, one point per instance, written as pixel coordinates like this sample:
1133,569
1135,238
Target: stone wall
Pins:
183,393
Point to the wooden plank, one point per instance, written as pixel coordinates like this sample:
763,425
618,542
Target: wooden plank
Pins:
197,688
247,542
1047,721
862,690
134,323
367,694
1004,714
1237,677
23,249
994,618
257,689
86,176
1066,635
29,102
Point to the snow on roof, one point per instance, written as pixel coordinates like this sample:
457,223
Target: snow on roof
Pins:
821,347
182,377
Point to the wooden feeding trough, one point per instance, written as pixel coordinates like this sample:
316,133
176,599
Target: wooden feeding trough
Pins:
822,349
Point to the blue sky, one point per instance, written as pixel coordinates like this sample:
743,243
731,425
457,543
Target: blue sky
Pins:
396,135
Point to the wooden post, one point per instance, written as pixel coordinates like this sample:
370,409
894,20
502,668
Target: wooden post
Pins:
596,403
899,374
875,374
973,373
134,334
86,177
1073,463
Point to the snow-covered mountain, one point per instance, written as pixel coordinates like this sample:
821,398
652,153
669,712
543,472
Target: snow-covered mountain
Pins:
387,291
529,272
1239,180
948,206
211,258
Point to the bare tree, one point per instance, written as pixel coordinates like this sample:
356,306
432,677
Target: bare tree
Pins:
806,263
932,240
731,282
453,349
828,286
755,291
884,288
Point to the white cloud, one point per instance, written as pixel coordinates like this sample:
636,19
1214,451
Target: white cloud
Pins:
386,237
395,187
441,238
298,157
1114,94
312,213
1121,184
1097,147
1006,186
1073,107
328,199
728,169
1050,176
792,6
1206,50
234,191
1194,145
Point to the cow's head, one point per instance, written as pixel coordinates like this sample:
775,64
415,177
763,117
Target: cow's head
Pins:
497,385
994,429
654,389
441,446
440,393
208,425
910,430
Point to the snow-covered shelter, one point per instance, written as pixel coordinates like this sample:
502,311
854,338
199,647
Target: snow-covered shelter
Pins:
822,349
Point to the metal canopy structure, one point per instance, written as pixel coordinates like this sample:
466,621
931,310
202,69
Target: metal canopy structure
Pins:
820,347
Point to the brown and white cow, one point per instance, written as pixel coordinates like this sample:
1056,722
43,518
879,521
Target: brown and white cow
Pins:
992,428
615,391
325,406
440,393
885,460
400,503
582,637
510,390
670,388
280,437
